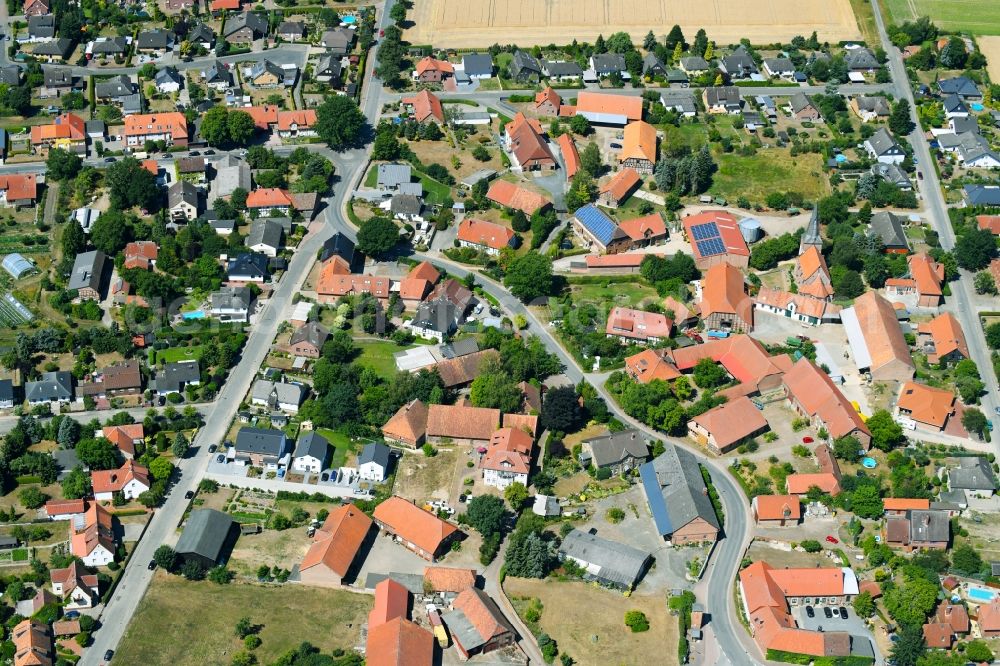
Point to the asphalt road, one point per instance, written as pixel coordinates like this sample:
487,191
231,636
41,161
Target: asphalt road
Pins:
960,302
7,423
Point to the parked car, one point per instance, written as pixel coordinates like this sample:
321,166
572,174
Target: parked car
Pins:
212,448
220,458
209,152
616,146
151,565
189,494
325,476
108,654
194,153
72,615
827,612
843,613
831,539
810,612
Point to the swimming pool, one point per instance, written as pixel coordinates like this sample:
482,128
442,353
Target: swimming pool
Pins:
869,463
977,106
980,595
197,314
349,20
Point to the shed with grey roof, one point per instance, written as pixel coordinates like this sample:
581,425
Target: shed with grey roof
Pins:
606,561
207,539
88,274
678,498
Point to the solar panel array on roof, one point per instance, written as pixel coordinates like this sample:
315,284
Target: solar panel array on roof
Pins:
599,224
704,231
710,247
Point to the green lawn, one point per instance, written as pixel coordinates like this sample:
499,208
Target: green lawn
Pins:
377,355
980,17
177,354
772,170
190,624
437,192
340,442
614,293
371,180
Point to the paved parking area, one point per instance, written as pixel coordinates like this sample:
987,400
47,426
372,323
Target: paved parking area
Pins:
853,625
386,556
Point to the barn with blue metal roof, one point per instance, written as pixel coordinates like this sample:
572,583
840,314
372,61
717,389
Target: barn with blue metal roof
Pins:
600,231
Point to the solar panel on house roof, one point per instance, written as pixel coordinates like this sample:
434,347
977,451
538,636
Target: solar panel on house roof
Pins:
710,247
703,231
599,224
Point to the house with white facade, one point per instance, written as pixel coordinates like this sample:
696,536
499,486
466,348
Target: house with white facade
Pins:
373,462
312,453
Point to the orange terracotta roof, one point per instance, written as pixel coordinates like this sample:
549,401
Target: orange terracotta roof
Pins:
880,328
427,63
638,324
399,642
681,311
777,507
622,184
519,120
392,600
463,369
97,531
19,186
510,450
142,124
567,111
650,365
994,270
802,304
639,142
818,395
302,119
927,273
525,422
871,587
425,270
413,524
548,95
413,289
629,106
647,226
267,197
743,357
113,480
938,636
571,157
145,249
799,484
151,166
219,5
263,116
462,422
337,542
64,507
954,615
509,195
814,274
425,105
811,261
409,423
32,644
723,291
947,335
449,579
66,126
732,421
482,612
480,232
989,616
926,404
332,282
621,260
524,136
124,436
905,504
989,222
729,232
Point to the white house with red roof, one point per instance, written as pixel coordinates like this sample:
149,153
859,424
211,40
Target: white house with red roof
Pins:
130,480
507,459
92,536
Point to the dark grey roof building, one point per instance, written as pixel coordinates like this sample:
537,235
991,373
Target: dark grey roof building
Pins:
562,69
861,60
245,26
678,498
312,445
478,65
10,74
889,227
338,245
153,40
114,88
261,446
208,538
929,527
618,451
605,64
374,452
202,34
56,48
265,235
42,27
608,562
437,316
523,67
972,474
249,267
113,46
88,274
311,332
52,387
175,376
962,86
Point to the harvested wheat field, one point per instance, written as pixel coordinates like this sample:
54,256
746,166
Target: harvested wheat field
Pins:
479,23
990,46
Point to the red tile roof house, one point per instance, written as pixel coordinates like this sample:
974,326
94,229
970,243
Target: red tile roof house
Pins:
408,426
65,509
811,274
432,70
617,190
75,586
18,189
942,339
716,238
120,379
571,157
509,195
898,506
125,437
637,326
477,625
725,305
744,358
425,106
420,531
651,365
141,254
547,102
507,459
484,236
461,425
35,7
392,600
928,276
413,289
399,642
812,394
32,644
92,538
989,222
448,579
918,529
130,480
768,593
776,510
332,557
646,230
928,406
296,124
529,151
725,427
142,127
989,619
876,340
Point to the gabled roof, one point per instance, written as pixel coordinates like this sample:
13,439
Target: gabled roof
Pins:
413,524
597,222
252,20
392,600
113,480
715,232
95,529
777,507
263,441
54,385
338,540
881,142
524,137
947,335
141,124
732,421
312,444
426,105
449,579
638,324
571,157
818,395
623,183
430,64
480,232
972,474
889,227
675,491
650,365
509,195
615,562
408,423
312,332
874,333
614,108
399,642
616,447
723,291
205,533
476,619
462,422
